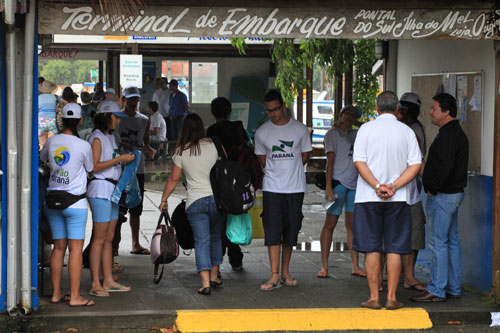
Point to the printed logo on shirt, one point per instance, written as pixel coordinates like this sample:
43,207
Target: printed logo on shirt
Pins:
283,151
62,156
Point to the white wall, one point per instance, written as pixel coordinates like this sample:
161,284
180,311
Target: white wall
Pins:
436,56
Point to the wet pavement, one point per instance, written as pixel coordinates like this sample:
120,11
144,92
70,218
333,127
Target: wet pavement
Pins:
149,305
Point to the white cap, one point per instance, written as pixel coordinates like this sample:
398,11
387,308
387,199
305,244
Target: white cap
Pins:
110,91
110,106
72,111
131,91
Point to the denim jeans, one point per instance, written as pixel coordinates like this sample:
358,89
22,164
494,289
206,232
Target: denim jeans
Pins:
207,223
446,262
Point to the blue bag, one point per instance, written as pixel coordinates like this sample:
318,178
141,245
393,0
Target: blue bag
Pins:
127,192
239,228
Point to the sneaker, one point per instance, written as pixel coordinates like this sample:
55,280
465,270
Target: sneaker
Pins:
237,267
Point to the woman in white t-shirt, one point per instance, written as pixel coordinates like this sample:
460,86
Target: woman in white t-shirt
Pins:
195,155
106,173
70,158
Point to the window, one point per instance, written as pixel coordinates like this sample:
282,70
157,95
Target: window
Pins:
177,70
325,109
204,88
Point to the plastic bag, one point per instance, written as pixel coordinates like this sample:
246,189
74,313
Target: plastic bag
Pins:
127,192
239,228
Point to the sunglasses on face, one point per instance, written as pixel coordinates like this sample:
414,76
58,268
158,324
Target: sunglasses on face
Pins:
274,110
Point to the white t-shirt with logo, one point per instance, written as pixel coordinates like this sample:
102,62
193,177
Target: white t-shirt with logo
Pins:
101,188
342,144
283,147
158,121
70,158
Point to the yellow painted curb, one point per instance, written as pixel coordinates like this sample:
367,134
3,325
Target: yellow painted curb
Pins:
242,320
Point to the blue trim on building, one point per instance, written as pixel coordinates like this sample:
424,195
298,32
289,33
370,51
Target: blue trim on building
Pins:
3,133
475,227
35,301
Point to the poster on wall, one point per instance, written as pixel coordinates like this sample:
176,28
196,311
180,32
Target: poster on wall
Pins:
131,70
462,98
240,112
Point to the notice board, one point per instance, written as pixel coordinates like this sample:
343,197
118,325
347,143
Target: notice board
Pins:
467,88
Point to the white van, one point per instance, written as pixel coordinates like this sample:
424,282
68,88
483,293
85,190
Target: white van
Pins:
322,118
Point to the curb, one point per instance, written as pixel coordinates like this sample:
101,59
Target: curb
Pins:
89,321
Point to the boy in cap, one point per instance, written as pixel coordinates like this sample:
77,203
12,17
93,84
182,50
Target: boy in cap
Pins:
133,133
341,179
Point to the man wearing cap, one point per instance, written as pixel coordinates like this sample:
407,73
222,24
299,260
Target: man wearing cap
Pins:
408,113
283,146
444,180
387,157
179,107
341,178
133,133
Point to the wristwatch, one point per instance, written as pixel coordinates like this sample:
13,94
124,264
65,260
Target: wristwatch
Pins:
377,187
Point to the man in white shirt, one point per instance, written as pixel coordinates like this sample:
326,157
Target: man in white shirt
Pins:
387,157
161,96
283,146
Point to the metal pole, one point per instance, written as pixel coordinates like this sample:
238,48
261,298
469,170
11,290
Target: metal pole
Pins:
29,42
12,216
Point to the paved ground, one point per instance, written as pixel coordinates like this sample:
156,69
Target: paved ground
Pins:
149,305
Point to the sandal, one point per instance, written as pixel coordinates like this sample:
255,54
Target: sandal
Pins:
322,274
289,281
87,302
99,293
269,285
64,298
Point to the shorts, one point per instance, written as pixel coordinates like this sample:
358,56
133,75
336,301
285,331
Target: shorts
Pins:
137,210
103,210
417,226
67,223
282,217
47,125
382,227
344,197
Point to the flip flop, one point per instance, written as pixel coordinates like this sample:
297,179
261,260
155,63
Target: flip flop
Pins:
65,298
89,302
118,289
322,274
415,287
117,268
141,251
289,282
359,273
99,293
273,285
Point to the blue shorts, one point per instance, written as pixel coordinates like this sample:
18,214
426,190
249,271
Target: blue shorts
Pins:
344,197
103,210
382,227
67,223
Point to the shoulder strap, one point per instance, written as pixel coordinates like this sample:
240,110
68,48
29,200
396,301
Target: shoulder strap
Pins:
218,145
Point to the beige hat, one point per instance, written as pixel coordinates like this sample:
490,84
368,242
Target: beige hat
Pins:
47,87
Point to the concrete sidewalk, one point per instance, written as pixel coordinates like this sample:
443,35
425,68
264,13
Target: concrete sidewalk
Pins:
149,305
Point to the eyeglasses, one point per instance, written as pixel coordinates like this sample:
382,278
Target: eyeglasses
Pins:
275,109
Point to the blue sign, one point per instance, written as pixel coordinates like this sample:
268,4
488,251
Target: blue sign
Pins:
143,38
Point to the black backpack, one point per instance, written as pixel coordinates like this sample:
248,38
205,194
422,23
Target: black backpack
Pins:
243,154
183,229
231,183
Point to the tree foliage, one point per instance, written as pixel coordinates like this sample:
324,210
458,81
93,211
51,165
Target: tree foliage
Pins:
66,72
336,55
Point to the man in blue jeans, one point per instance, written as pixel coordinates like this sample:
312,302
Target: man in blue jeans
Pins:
444,180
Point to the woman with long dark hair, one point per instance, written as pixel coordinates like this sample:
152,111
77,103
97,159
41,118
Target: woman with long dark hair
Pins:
195,155
70,158
106,173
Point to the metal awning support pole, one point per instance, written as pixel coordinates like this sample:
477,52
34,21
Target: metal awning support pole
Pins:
29,45
12,218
